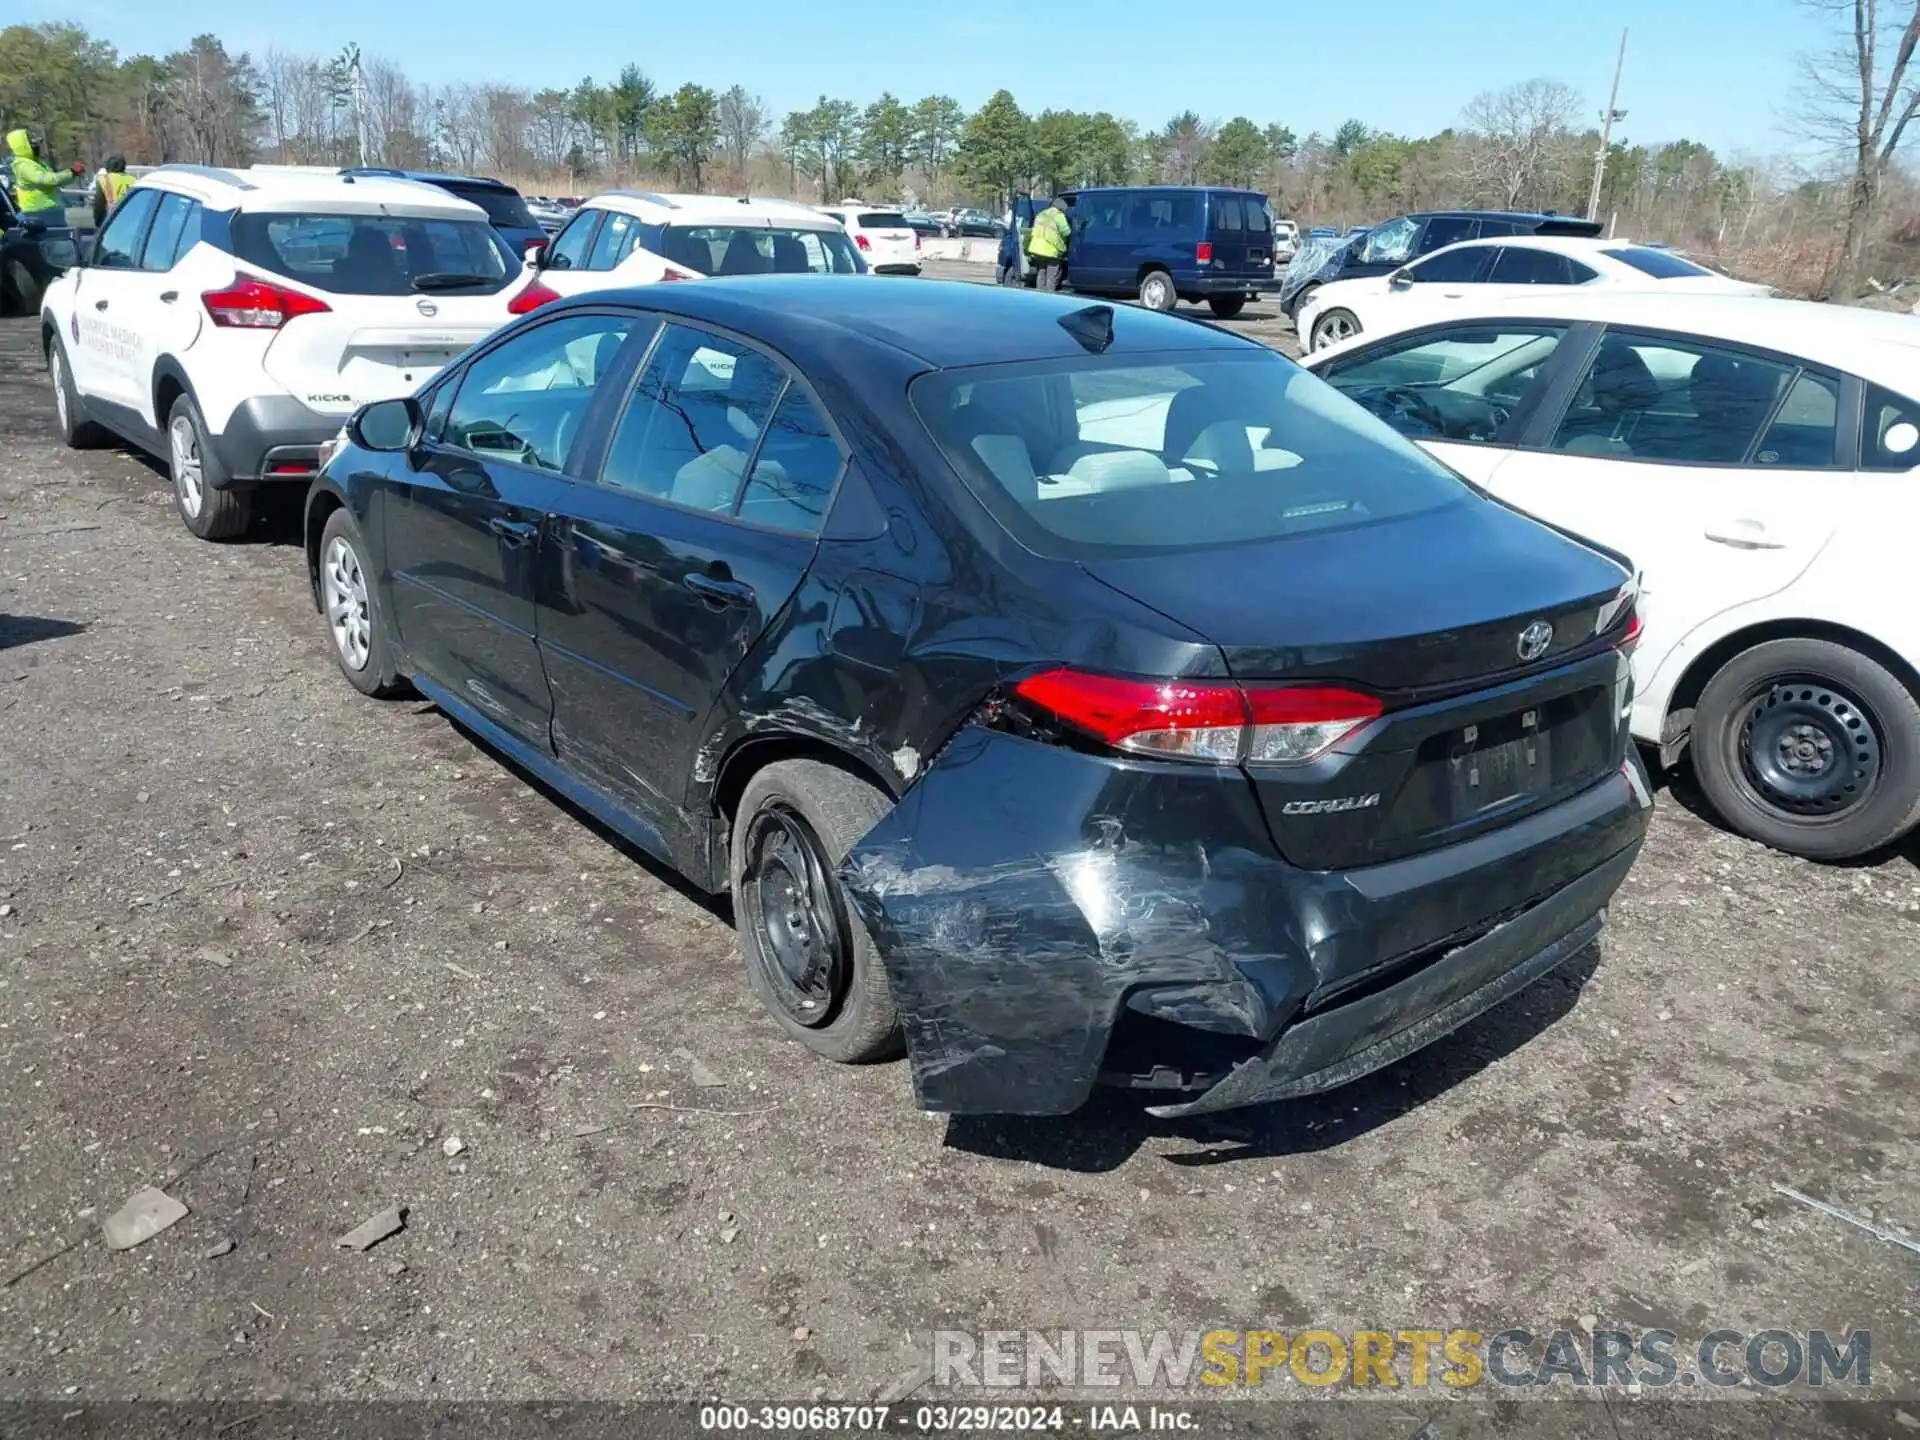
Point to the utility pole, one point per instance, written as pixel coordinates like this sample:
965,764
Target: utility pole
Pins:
360,100
1607,118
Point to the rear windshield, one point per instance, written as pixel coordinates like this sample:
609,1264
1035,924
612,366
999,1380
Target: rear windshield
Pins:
375,254
883,220
1083,455
757,250
1661,264
503,206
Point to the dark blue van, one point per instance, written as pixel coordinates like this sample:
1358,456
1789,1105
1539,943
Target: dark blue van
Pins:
506,207
1161,244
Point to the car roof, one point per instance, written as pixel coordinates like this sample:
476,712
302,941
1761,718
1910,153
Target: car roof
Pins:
674,209
943,323
281,188
431,177
1181,189
1569,244
1866,342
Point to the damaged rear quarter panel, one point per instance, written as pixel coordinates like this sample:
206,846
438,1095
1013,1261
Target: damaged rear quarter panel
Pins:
1020,890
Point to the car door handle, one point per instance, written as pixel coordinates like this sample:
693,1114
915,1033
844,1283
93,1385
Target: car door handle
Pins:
1742,535
514,532
718,591
99,304
167,297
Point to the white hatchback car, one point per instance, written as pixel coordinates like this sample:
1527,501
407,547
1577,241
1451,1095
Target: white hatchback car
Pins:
637,237
888,244
1479,270
229,321
1759,461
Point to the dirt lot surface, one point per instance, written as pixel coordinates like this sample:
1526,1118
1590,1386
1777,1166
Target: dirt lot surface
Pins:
274,947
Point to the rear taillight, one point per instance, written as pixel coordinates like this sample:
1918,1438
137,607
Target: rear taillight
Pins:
251,303
1201,720
531,298
1625,602
672,274
862,242
1203,253
1631,638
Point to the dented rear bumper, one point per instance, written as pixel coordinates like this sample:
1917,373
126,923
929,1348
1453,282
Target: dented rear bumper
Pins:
1025,898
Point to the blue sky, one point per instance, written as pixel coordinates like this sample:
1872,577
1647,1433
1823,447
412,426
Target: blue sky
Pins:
1717,71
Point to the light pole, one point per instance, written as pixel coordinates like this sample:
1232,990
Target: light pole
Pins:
1607,118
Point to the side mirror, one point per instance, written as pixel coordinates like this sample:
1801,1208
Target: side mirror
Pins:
1400,280
388,426
536,255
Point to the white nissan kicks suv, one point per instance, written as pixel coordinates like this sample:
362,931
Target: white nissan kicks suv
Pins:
229,321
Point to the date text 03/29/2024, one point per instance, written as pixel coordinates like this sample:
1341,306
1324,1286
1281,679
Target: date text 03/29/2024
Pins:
944,1419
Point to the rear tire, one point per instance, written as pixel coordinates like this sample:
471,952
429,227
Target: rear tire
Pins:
208,511
1331,328
350,604
76,431
808,958
1811,748
1157,292
1227,306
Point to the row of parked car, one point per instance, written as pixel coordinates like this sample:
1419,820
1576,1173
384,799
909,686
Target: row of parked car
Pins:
940,623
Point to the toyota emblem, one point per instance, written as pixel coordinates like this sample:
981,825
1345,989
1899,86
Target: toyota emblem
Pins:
1534,640
427,308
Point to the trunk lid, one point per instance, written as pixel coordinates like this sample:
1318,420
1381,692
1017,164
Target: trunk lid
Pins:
1427,612
375,347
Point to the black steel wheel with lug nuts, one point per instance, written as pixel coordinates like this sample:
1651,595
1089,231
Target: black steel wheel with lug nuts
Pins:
808,958
1810,747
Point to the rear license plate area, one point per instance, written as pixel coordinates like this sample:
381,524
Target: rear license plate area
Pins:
1498,762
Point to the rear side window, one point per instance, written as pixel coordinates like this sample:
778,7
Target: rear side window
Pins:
1652,398
374,254
1802,434
503,206
1227,214
1521,265
794,473
176,229
883,220
757,250
693,420
1661,264
1168,214
1080,456
1890,438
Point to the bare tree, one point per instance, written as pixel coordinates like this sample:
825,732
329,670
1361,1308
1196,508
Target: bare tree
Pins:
394,115
279,74
743,126
1862,94
1519,139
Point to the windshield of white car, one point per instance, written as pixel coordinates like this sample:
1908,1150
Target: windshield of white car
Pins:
1660,264
758,250
1173,453
371,254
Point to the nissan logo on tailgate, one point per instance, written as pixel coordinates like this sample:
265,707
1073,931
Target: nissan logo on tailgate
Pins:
1534,640
426,307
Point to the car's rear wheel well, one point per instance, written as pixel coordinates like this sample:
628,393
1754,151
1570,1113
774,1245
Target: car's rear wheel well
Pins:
47,333
755,753
1677,723
167,388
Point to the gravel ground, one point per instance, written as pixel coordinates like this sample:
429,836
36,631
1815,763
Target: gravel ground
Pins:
274,947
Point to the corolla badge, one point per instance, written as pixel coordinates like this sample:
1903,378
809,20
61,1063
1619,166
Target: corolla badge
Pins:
1534,640
427,308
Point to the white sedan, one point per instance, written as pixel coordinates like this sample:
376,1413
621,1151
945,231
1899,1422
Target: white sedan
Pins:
1477,270
1756,459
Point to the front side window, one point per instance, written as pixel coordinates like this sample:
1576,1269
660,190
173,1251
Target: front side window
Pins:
1649,398
355,254
760,250
523,402
1453,267
1460,383
1522,265
693,420
1890,436
1082,456
176,228
118,247
1445,230
574,243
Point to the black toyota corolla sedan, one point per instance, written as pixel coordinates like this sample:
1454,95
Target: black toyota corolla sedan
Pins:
1071,693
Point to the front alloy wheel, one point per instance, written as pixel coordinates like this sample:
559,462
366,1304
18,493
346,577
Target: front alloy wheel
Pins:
1333,327
343,590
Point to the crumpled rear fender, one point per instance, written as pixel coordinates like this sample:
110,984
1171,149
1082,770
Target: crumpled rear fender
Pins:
1020,890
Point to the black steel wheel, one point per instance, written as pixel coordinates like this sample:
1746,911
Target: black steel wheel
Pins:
808,958
1810,747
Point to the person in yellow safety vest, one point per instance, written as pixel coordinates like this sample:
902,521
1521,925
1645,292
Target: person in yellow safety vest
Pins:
1047,244
108,186
36,188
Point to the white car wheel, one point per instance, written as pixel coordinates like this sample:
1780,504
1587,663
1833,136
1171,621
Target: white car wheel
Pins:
343,590
189,480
